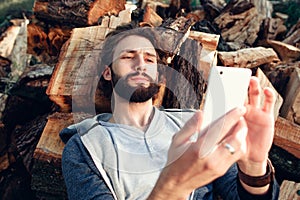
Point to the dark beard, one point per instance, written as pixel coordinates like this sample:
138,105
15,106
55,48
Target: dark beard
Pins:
136,94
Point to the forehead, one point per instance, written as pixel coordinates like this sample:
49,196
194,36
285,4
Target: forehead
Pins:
134,42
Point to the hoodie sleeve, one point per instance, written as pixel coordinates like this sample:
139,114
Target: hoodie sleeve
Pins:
82,178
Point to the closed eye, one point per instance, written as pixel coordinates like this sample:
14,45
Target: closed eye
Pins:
150,60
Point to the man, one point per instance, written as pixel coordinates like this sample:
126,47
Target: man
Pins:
141,152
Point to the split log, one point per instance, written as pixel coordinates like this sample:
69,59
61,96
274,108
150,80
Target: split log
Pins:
239,23
5,69
4,66
22,128
185,83
289,190
74,80
249,57
47,179
287,136
50,146
76,13
274,28
264,7
291,106
77,53
152,17
7,42
212,8
3,100
4,156
196,15
208,55
157,6
172,34
293,36
45,42
185,79
279,75
177,7
124,17
286,52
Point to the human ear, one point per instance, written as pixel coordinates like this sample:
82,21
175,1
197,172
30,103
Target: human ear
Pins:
107,73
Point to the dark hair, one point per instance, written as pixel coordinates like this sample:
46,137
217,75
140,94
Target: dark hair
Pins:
111,41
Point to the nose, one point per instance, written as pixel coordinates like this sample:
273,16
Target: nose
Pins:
140,64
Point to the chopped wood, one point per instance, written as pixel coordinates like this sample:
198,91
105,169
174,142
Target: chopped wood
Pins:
7,42
4,157
293,36
4,67
249,57
177,7
47,155
286,52
4,162
212,8
37,40
172,34
45,43
151,17
74,80
289,190
77,64
158,7
264,7
287,136
273,28
124,17
76,13
293,39
208,55
239,22
185,82
196,15
282,16
208,41
291,106
3,101
264,82
50,146
279,75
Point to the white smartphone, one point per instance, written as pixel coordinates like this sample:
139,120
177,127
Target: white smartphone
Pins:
227,89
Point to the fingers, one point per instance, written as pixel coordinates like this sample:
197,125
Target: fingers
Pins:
218,130
254,92
229,150
191,127
236,140
269,100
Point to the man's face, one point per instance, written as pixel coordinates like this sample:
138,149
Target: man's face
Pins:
134,69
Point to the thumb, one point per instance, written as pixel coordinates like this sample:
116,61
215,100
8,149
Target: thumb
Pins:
191,127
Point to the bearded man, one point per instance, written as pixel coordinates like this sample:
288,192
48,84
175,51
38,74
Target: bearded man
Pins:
141,152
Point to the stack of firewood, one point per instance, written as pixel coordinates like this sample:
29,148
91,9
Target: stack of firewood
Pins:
67,37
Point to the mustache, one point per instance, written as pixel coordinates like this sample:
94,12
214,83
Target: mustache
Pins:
139,73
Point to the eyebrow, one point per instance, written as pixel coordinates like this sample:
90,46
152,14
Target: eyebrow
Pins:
134,51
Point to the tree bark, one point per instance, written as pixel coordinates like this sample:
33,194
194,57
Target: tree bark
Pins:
76,13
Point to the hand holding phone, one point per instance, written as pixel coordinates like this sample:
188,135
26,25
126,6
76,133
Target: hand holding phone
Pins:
227,89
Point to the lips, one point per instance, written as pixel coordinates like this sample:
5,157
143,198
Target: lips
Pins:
139,79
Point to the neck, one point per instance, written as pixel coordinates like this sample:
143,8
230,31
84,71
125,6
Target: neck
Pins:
138,115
